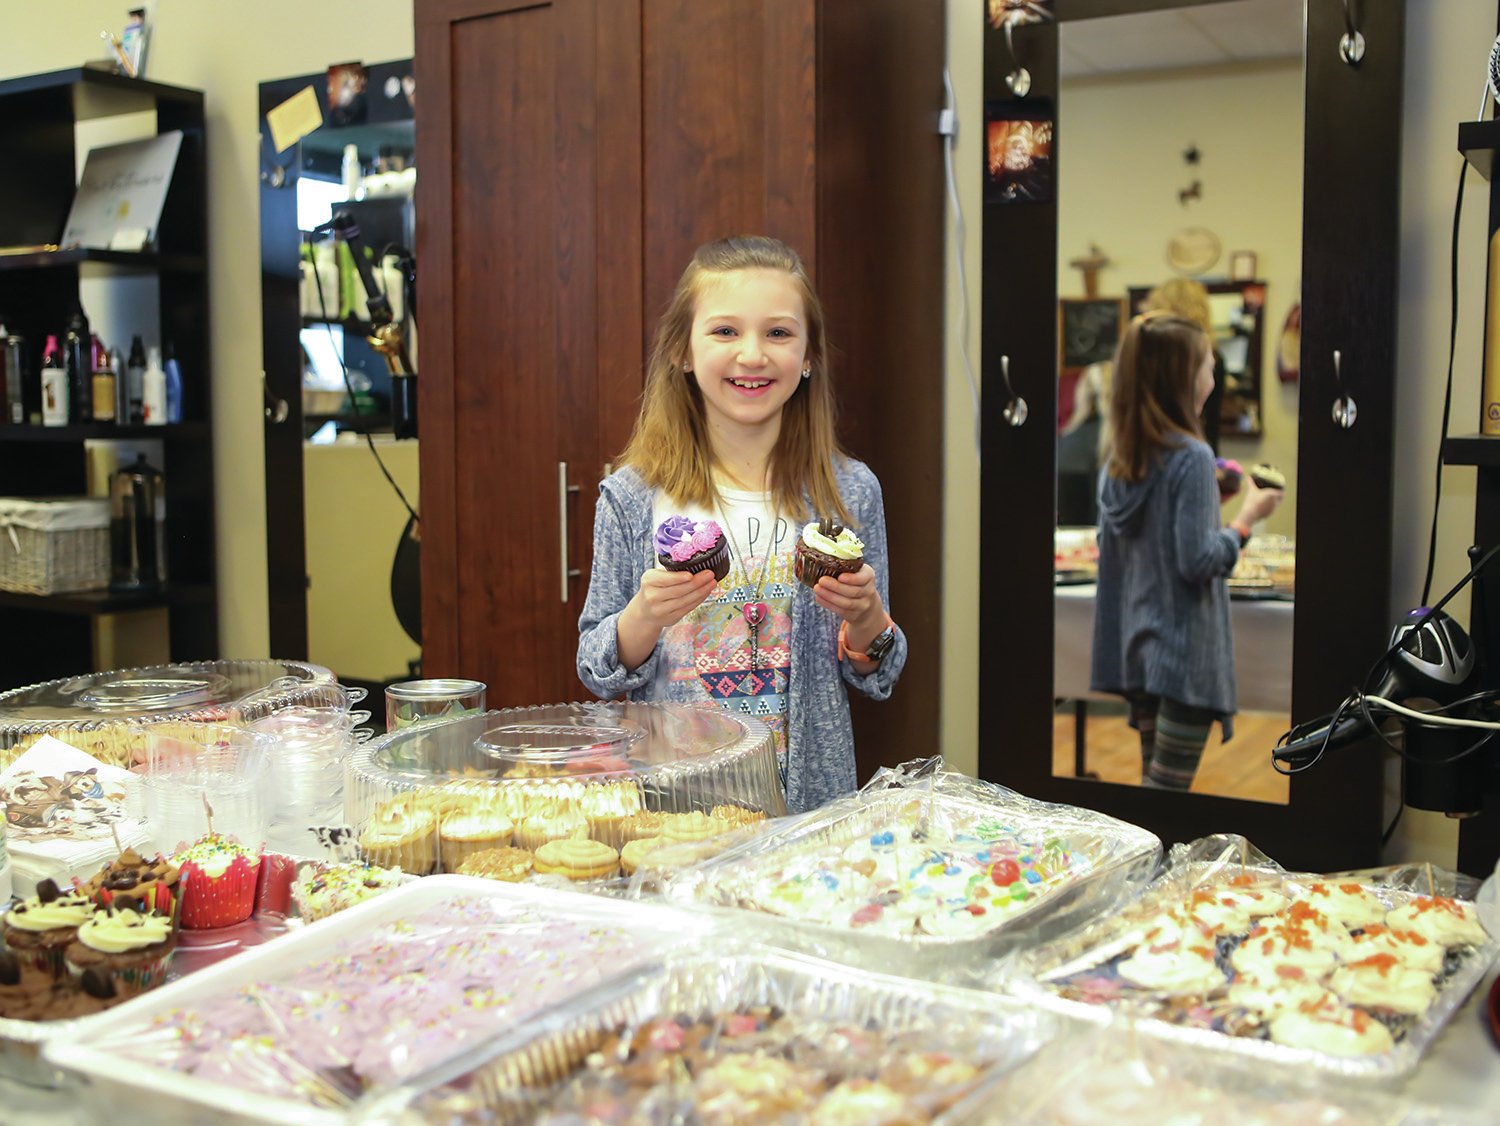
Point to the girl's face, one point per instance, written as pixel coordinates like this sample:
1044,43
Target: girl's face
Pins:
747,347
1203,384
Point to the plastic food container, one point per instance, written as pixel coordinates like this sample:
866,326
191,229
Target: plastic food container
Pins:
105,714
569,770
362,1018
875,879
838,1022
1079,975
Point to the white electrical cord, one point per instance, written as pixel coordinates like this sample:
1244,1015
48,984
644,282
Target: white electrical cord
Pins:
1429,717
948,126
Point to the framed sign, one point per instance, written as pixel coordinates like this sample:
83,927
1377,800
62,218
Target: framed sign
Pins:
120,196
1087,331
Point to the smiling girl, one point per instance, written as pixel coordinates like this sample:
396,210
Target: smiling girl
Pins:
736,426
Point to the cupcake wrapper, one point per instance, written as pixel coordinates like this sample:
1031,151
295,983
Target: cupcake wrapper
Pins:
48,960
716,561
142,976
809,568
456,850
218,901
417,855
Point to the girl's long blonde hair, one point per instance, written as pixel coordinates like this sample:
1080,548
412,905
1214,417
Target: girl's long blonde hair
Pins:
669,446
1151,402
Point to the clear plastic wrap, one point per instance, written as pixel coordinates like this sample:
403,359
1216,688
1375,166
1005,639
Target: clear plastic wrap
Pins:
22,1041
1178,963
429,796
1111,1078
358,1001
778,1036
106,714
926,872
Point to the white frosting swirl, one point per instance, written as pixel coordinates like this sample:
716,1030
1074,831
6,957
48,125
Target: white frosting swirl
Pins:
64,911
120,931
846,545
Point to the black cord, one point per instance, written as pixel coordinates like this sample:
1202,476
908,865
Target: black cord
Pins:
1437,493
354,398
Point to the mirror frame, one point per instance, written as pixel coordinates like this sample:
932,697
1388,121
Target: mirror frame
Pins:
1350,223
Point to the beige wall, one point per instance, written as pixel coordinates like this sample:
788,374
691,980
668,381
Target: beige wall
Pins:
1120,168
351,623
226,50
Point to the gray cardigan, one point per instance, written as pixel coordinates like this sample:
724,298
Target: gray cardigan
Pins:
820,738
1161,621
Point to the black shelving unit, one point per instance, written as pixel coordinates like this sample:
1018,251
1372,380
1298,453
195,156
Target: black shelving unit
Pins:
53,635
1479,837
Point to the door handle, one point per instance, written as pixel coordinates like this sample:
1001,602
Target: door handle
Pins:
563,489
277,410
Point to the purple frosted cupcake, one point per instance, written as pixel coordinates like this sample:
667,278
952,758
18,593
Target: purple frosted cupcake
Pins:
689,545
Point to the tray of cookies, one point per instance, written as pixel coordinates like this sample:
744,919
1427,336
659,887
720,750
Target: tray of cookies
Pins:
563,789
1350,975
743,1037
299,1030
928,871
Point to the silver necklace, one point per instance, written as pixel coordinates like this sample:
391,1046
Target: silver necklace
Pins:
754,611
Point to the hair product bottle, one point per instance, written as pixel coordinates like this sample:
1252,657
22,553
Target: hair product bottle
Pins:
135,381
54,386
78,362
154,387
104,384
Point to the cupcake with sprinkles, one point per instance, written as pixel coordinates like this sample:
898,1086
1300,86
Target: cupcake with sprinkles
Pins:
218,877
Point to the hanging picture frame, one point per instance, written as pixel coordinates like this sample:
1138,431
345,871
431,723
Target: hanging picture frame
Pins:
1018,140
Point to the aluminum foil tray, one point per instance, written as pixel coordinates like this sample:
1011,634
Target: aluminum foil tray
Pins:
513,1079
1077,974
22,1041
357,1014
1108,861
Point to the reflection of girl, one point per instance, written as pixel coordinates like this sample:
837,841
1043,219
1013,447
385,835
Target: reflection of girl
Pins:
1161,627
1186,298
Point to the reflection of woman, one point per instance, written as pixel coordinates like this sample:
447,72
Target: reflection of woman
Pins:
1188,299
1161,624
1078,451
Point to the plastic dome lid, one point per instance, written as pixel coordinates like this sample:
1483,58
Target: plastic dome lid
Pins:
666,748
203,690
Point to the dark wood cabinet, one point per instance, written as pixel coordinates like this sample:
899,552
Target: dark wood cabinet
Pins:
39,290
572,156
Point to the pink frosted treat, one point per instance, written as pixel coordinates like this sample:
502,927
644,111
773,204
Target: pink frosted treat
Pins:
218,882
684,544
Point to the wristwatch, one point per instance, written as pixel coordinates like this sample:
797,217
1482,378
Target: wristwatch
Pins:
876,650
882,644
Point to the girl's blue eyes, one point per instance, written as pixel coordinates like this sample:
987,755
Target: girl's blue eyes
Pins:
726,331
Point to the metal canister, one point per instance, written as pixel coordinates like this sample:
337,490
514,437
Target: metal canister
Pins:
15,387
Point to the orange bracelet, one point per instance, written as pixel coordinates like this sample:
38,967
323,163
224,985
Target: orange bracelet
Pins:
845,651
1241,530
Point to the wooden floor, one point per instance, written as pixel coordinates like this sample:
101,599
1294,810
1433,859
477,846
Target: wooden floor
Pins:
1240,768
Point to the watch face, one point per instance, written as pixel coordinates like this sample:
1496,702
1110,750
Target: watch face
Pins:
882,644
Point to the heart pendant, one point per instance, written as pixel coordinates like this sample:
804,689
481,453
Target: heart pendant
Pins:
755,613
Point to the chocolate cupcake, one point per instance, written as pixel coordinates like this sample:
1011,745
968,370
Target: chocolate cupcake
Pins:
684,544
1268,476
826,548
39,929
132,946
1229,475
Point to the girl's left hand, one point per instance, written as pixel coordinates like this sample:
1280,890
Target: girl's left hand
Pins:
853,596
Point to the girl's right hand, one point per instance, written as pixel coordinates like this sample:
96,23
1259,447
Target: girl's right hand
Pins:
1259,503
666,597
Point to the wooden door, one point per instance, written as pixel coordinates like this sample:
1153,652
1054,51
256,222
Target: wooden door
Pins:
528,239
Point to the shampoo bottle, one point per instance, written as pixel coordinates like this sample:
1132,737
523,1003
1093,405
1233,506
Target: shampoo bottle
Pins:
174,384
154,390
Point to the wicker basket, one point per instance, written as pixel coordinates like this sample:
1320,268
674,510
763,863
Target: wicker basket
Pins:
50,546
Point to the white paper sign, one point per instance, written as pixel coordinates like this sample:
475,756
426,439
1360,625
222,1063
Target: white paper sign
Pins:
122,190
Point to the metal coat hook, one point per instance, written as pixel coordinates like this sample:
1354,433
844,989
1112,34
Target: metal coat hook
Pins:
1018,80
1352,43
1015,411
1344,410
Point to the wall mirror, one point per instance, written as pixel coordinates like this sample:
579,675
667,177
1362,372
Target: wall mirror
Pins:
1207,142
343,589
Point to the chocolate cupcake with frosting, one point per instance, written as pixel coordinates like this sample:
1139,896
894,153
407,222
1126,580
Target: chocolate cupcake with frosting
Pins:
685,544
39,929
128,943
826,548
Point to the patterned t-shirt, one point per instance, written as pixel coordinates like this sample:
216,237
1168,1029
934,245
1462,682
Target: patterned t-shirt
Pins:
745,669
